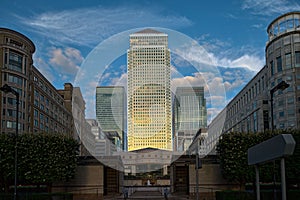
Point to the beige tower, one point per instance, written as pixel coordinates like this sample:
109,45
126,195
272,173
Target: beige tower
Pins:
149,95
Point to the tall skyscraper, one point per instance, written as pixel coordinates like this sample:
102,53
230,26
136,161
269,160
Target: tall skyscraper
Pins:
190,115
149,96
110,112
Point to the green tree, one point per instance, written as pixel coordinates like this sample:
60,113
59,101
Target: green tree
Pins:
232,149
293,162
42,158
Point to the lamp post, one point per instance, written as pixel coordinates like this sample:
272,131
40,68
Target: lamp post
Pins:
280,86
7,89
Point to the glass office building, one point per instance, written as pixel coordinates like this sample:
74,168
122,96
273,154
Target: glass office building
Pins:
190,115
110,112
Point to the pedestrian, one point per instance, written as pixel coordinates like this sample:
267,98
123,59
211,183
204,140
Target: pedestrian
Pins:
125,192
166,193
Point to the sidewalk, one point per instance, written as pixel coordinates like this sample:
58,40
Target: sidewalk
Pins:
139,195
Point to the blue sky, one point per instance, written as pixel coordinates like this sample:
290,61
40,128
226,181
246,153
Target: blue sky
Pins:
232,33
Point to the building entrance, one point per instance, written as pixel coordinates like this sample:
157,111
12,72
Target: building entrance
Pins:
181,179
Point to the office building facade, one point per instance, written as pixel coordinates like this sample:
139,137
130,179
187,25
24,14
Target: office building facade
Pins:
48,112
41,108
110,112
148,96
190,115
263,104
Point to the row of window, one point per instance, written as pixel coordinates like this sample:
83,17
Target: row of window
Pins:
15,43
248,96
14,79
45,88
284,25
14,61
288,62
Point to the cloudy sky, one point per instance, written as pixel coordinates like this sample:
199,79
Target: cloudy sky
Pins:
228,36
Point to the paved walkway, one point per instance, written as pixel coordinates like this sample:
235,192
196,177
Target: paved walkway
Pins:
139,195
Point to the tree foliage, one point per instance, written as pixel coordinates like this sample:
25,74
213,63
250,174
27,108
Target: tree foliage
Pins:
232,149
42,158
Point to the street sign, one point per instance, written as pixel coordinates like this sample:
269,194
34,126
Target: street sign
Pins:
277,147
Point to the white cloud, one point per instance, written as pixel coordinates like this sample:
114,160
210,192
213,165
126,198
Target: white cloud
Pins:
43,67
120,81
208,55
250,62
269,8
65,61
89,26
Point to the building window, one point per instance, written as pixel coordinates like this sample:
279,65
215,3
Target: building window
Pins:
10,101
280,102
291,112
13,79
288,61
12,113
297,58
281,114
279,64
290,100
10,124
254,121
272,67
36,123
36,94
36,113
266,119
15,62
281,125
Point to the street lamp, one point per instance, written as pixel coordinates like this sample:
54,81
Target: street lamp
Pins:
7,89
280,86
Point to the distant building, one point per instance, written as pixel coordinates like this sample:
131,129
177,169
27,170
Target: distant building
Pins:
42,108
102,143
75,103
149,96
110,112
190,115
251,109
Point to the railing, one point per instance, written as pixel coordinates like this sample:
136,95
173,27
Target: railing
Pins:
132,189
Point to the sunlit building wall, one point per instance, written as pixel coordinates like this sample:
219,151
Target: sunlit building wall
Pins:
148,95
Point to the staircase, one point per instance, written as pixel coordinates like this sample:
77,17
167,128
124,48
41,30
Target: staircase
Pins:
146,195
